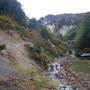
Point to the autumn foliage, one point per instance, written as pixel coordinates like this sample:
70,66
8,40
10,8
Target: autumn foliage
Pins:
7,23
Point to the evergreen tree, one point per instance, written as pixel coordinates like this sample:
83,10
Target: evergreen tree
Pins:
83,37
13,9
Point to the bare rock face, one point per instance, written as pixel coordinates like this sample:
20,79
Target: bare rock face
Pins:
13,54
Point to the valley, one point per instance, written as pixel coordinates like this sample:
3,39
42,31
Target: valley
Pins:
51,53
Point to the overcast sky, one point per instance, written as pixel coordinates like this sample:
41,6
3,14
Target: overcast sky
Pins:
39,8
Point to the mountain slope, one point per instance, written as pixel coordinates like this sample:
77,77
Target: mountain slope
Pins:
17,69
25,51
16,65
63,22
14,52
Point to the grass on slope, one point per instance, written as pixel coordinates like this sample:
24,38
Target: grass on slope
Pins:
81,65
39,80
70,35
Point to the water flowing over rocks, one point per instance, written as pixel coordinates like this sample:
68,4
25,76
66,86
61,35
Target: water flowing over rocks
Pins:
68,79
57,73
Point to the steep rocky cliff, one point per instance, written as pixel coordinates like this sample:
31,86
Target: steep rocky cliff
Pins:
62,23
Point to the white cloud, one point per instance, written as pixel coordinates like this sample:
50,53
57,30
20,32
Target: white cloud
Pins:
39,8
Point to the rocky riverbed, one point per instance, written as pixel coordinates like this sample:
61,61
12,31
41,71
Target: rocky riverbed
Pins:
57,73
61,71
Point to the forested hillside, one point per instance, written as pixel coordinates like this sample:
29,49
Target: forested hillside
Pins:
46,45
26,48
13,9
83,36
80,35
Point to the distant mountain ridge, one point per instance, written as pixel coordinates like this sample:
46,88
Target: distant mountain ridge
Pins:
63,22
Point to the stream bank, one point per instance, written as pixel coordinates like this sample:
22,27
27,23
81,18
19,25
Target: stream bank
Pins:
61,71
57,73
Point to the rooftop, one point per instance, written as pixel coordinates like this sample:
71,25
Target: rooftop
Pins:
85,54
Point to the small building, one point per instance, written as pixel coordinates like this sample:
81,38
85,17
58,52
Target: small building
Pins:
85,56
